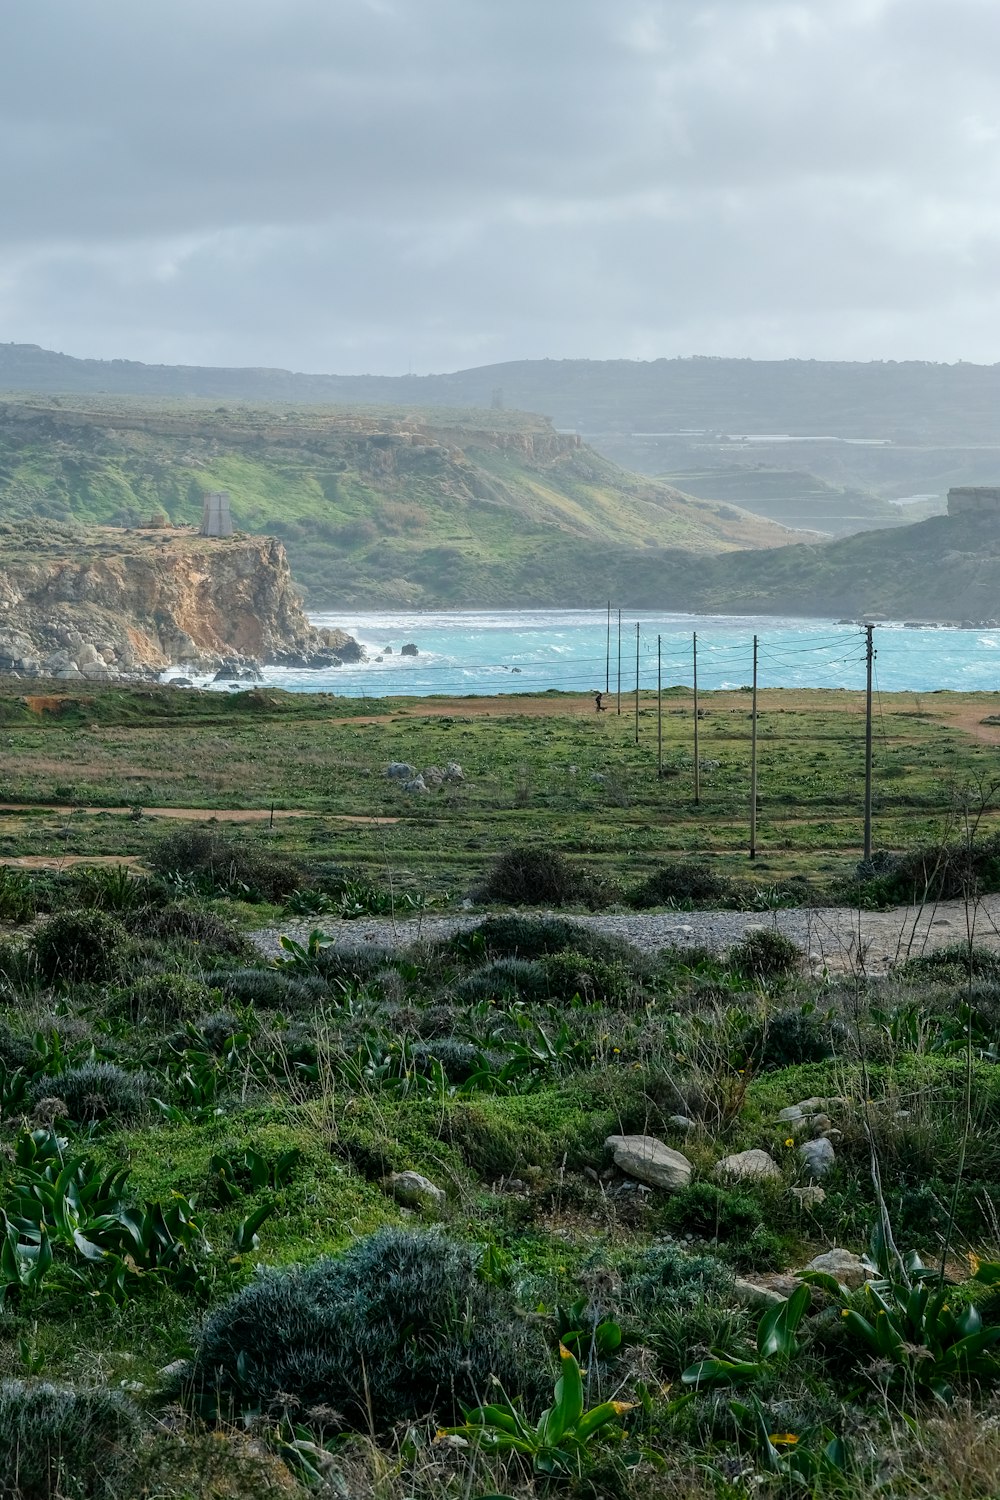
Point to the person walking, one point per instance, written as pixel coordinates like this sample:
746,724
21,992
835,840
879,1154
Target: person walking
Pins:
598,705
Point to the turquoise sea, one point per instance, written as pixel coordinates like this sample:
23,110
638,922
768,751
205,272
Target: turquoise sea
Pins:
517,651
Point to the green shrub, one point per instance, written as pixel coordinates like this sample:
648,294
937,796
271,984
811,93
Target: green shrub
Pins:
18,969
270,989
667,1275
17,896
765,954
679,1335
162,997
515,936
111,888
354,965
60,1444
792,1036
530,875
504,979
593,979
220,862
680,885
398,1328
76,946
214,936
97,1091
711,1211
16,1051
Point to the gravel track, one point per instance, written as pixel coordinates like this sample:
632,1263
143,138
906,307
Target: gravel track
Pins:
838,938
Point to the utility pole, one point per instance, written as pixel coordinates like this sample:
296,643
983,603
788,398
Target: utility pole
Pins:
753,759
659,710
619,662
637,682
607,655
870,658
697,761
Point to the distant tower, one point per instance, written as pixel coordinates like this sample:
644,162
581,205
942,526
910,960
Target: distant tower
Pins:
216,519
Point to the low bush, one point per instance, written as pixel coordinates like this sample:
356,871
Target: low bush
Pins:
76,946
16,1051
680,885
162,997
792,1036
504,979
667,1275
712,1212
765,954
214,936
592,979
242,867
529,875
61,1444
270,989
399,1328
17,896
944,872
514,936
96,1091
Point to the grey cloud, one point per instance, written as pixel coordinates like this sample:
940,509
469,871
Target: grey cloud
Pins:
358,184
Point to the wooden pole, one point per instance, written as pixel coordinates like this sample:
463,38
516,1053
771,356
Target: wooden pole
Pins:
870,654
659,709
753,759
607,655
619,661
637,682
697,759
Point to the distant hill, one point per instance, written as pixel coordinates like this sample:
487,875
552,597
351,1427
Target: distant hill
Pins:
945,569
904,402
375,507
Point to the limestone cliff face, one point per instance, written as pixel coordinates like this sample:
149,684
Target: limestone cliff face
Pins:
110,602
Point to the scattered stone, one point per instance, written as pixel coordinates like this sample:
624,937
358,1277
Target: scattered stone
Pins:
809,1197
750,1166
820,1124
681,1122
752,1295
453,771
176,1370
433,776
411,1190
408,650
86,656
416,784
401,770
849,1269
650,1161
818,1156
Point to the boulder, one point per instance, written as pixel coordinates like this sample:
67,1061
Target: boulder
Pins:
749,1294
681,1122
408,650
817,1156
809,1197
453,771
433,776
411,1190
650,1161
86,656
417,785
400,770
750,1166
848,1268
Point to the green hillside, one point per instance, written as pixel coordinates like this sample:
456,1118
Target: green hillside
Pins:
375,507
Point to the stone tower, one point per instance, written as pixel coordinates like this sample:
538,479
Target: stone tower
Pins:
216,519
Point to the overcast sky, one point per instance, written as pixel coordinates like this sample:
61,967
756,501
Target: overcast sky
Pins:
382,185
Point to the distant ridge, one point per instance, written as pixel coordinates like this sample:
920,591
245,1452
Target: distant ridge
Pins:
901,402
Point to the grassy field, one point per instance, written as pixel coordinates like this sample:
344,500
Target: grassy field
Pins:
544,768
218,1275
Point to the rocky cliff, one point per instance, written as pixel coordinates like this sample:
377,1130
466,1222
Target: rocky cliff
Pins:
103,603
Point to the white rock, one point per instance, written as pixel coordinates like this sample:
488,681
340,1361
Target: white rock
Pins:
847,1267
414,1191
752,1166
809,1197
649,1160
818,1156
416,784
681,1122
400,770
453,771
86,656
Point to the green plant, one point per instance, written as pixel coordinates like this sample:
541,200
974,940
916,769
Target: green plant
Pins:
241,867
792,1036
919,1330
303,958
828,1471
564,1436
530,875
97,1091
56,1441
400,1325
249,1172
764,954
74,946
775,1341
17,896
162,998
214,936
680,885
110,887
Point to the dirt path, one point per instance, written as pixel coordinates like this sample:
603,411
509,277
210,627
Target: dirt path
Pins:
838,939
195,814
